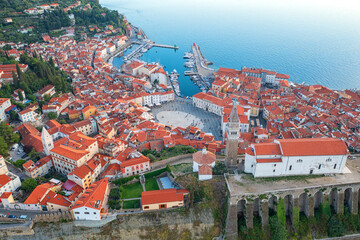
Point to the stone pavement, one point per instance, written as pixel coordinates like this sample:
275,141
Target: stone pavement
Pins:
210,121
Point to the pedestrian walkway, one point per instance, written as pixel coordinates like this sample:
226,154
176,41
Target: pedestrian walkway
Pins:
210,122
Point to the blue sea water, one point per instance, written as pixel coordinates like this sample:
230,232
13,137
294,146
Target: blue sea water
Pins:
316,42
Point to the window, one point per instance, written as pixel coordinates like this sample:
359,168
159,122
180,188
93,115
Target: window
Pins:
87,213
146,207
335,166
290,167
299,161
328,160
77,212
320,166
274,170
274,165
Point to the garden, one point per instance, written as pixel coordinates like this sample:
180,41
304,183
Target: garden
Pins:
127,193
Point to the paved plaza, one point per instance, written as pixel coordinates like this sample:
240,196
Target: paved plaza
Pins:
182,113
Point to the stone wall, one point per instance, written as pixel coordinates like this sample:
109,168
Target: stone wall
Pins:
54,217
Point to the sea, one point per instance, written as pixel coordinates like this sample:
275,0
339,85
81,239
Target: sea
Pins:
313,41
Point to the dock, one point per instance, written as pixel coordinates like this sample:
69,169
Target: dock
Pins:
165,46
201,74
144,46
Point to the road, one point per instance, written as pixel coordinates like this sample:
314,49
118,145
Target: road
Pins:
30,214
16,171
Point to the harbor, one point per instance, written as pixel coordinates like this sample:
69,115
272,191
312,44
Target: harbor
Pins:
199,70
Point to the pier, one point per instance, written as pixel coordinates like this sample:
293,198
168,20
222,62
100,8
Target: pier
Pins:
201,63
201,74
144,46
165,46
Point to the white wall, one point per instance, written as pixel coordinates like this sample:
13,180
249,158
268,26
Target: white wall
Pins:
85,213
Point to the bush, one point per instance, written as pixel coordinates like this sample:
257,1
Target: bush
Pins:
19,163
122,181
115,193
278,230
335,227
156,172
114,204
219,168
52,115
29,184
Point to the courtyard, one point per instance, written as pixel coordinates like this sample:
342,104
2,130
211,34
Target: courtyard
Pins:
181,113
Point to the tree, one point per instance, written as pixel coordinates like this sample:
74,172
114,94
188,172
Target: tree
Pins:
219,168
34,155
52,115
21,97
3,147
47,98
8,135
29,184
15,79
14,116
19,163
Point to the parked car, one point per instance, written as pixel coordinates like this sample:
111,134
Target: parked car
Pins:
14,147
2,215
23,217
12,216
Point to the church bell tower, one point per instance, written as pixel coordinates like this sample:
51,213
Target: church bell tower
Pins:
232,136
47,141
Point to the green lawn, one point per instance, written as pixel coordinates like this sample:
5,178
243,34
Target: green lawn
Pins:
131,204
131,191
182,168
151,184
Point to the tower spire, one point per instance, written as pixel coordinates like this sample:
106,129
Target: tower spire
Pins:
47,141
232,136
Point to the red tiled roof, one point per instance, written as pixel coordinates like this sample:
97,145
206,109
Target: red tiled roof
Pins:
93,196
205,170
162,196
267,149
204,158
268,160
313,147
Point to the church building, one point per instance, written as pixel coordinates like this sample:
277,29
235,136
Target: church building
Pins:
304,156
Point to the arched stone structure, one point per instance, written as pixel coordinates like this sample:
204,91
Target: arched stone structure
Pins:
318,199
296,201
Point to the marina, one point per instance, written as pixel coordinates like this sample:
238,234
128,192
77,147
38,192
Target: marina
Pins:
173,77
200,74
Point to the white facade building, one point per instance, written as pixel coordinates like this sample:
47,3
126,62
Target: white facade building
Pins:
4,104
296,157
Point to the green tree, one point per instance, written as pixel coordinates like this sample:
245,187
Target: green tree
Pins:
52,115
19,163
47,98
3,147
15,79
219,168
335,227
7,133
14,116
29,184
34,155
21,97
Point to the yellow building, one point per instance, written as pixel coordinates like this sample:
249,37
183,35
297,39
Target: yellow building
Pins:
88,111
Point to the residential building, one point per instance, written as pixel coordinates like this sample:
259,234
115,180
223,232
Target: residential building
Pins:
93,202
163,199
4,104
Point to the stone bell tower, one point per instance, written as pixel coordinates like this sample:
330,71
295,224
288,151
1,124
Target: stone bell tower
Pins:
232,136
47,141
